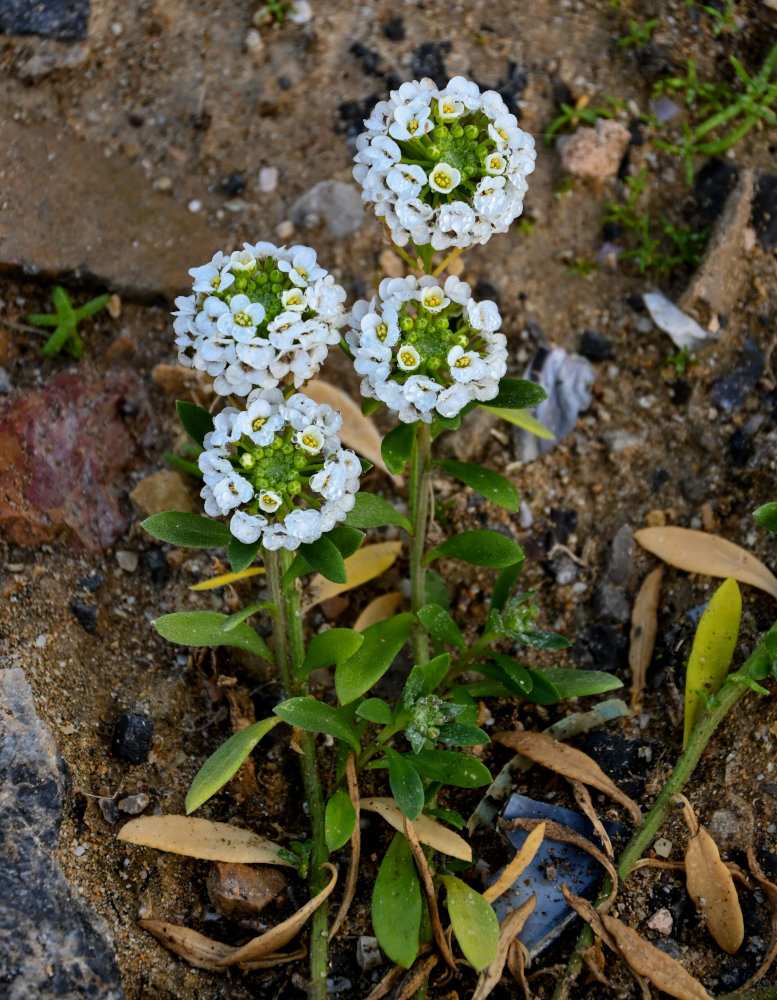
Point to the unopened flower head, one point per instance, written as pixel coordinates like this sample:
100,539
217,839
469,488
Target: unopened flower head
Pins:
421,347
444,167
277,470
258,317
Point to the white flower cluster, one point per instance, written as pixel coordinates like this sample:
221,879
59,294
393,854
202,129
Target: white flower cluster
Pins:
424,347
257,316
261,462
444,167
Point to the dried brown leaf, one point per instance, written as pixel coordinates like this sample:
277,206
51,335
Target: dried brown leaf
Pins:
201,838
770,890
365,564
428,831
517,962
378,610
356,847
510,927
711,555
642,957
425,875
358,432
710,884
569,762
517,865
266,944
642,639
203,952
417,977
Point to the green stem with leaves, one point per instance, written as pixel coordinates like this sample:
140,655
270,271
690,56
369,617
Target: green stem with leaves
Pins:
289,655
420,472
736,685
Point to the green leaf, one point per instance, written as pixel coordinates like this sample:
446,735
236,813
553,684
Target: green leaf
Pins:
183,465
406,786
539,638
474,922
450,768
505,584
459,735
396,904
517,394
318,717
439,623
339,820
370,511
375,710
203,628
543,690
232,621
242,554
325,558
369,406
195,421
435,590
481,547
487,482
423,679
327,648
382,642
450,816
225,762
397,447
766,516
579,683
187,530
346,538
712,651
521,418
515,677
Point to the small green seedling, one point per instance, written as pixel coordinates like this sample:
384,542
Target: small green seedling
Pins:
639,34
279,10
65,320
681,361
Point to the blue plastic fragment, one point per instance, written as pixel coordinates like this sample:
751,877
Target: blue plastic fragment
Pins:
554,864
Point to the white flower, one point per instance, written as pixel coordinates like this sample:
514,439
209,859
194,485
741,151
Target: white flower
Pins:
294,299
495,163
230,491
484,315
311,439
457,290
408,357
410,120
444,178
433,298
247,528
302,267
210,278
269,501
241,319
406,180
465,366
449,108
452,400
243,260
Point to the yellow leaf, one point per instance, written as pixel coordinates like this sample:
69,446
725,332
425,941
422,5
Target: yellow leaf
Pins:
644,626
378,610
521,418
358,432
700,552
428,831
712,651
365,564
517,866
201,838
225,578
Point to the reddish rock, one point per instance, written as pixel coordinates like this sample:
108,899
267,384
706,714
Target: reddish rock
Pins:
595,153
65,453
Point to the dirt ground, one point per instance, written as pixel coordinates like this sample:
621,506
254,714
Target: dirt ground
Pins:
197,101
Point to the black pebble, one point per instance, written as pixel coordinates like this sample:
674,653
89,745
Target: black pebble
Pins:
158,567
429,60
351,115
595,346
394,29
659,477
485,290
370,60
679,392
65,20
765,211
739,447
234,185
90,583
132,737
713,184
85,615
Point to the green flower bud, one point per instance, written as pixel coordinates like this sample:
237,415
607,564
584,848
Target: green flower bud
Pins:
457,131
406,324
439,132
472,132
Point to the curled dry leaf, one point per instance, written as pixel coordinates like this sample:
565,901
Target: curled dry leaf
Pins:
425,875
416,978
365,564
378,610
261,947
428,831
356,847
583,799
711,555
567,761
202,838
770,890
358,432
517,865
710,884
643,958
510,927
203,952
642,639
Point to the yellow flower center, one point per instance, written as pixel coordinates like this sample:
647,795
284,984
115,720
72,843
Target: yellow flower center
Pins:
301,272
294,300
380,331
412,127
243,319
259,423
448,108
463,362
310,441
215,282
433,300
442,180
408,358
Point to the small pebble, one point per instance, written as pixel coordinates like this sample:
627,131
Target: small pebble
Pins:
368,954
285,230
114,306
194,205
90,583
268,179
127,560
663,847
40,640
109,810
80,850
133,805
132,737
5,382
661,922
163,184
85,615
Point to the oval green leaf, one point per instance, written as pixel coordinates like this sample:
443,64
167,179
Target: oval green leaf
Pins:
327,648
766,516
382,642
240,554
346,538
396,904
187,530
487,482
339,820
450,768
225,762
397,446
459,735
439,623
481,547
517,394
204,628
196,421
325,558
370,511
406,786
317,717
474,922
375,710
578,683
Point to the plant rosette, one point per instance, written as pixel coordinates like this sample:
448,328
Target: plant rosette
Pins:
277,470
444,167
257,316
421,347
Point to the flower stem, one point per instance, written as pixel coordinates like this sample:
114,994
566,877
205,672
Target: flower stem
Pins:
289,655
420,471
456,252
733,689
